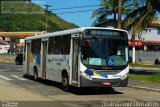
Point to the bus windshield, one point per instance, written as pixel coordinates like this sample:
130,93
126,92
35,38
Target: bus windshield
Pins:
103,49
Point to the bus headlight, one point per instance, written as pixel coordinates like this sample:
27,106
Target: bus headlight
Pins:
86,76
124,76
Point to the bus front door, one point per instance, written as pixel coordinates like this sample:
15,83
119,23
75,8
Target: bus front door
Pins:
75,51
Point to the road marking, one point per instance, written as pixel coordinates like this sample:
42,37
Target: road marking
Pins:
5,78
17,77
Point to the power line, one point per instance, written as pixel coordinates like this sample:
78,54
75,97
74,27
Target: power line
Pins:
75,11
74,7
81,10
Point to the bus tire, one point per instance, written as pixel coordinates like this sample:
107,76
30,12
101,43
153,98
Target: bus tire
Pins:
35,74
17,62
65,82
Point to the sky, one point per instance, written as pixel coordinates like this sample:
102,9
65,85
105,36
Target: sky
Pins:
82,19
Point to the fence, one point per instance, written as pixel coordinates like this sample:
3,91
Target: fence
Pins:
145,56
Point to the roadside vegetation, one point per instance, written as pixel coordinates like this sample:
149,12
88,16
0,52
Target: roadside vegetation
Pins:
145,65
18,18
152,77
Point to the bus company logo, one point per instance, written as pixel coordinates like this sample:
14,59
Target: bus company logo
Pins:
22,7
49,60
117,76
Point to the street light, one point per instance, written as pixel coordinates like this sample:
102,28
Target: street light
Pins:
46,10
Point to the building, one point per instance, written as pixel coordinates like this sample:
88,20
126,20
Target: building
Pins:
13,42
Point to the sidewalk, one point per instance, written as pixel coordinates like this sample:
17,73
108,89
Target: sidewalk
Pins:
14,96
10,92
7,58
141,84
145,85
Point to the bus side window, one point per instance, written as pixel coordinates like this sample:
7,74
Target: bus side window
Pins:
50,45
36,46
66,41
54,46
57,45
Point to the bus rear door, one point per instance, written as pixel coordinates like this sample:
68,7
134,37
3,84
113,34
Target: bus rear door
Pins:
27,56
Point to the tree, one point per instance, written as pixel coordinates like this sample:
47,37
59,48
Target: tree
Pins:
140,19
119,13
108,8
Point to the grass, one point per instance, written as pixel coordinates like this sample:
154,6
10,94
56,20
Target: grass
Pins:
152,78
21,20
145,65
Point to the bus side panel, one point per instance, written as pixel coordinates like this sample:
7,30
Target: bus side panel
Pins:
34,61
51,67
55,65
31,68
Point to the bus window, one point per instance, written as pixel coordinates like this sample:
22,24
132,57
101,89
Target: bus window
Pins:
50,45
57,45
36,46
66,41
54,45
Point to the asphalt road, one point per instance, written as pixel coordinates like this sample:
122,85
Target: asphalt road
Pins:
76,97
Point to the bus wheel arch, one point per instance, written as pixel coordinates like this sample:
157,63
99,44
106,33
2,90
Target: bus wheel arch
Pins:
35,73
65,80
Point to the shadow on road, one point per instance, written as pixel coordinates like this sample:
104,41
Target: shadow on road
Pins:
143,72
93,91
78,91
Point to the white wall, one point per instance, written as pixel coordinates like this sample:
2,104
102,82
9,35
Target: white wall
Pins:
152,34
21,40
4,49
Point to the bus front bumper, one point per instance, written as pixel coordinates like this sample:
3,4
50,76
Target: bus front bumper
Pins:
84,82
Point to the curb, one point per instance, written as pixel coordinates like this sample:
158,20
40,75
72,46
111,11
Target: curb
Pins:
7,61
144,88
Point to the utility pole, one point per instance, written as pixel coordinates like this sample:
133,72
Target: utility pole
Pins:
119,13
46,10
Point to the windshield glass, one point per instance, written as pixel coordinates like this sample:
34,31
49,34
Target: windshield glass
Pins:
104,49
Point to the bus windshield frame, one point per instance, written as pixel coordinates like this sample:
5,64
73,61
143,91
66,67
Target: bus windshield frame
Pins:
104,49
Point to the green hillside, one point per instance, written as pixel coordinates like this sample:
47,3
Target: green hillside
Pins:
32,22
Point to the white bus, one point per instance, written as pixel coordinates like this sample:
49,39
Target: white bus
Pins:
81,57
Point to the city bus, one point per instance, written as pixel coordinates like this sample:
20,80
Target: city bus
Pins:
80,57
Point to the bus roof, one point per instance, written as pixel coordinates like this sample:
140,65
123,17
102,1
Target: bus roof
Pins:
70,31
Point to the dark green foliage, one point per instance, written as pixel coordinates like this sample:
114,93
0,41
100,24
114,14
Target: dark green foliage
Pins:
33,22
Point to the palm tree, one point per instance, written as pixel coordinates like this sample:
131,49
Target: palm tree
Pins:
108,8
119,13
141,18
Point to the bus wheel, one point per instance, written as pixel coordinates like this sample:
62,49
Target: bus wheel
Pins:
65,82
35,74
17,63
